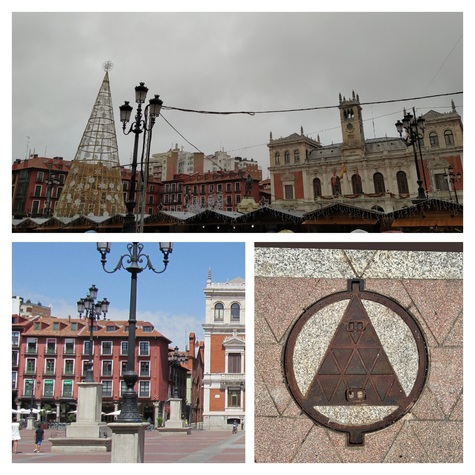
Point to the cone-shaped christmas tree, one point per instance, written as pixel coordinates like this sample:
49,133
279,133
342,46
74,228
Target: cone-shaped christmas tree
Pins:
94,185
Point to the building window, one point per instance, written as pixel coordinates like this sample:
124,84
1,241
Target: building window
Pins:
441,182
55,327
51,346
14,380
84,367
234,397
74,327
15,338
219,312
31,345
433,139
37,326
48,388
378,181
449,138
144,348
124,347
235,312
37,192
106,348
69,347
106,388
49,365
317,188
288,192
107,368
28,387
110,328
15,358
147,328
296,156
69,367
237,186
228,187
234,363
286,157
67,388
336,185
30,366
123,367
145,368
144,389
356,184
123,387
402,186
86,346
277,158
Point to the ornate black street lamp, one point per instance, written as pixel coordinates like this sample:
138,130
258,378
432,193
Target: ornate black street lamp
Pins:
134,262
93,310
143,123
452,179
414,133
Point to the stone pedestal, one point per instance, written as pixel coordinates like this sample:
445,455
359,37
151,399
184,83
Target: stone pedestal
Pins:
247,205
30,422
128,442
88,433
174,422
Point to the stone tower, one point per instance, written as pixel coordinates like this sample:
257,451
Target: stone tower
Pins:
94,185
351,122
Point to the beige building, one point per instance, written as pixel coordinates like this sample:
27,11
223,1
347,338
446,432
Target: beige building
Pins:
375,174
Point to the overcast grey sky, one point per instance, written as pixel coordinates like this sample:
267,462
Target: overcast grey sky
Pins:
229,62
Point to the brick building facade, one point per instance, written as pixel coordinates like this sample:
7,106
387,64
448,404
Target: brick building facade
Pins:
224,363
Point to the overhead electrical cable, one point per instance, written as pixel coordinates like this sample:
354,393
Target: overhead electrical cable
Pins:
252,113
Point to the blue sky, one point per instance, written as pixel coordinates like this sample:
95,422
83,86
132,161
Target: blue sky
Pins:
59,273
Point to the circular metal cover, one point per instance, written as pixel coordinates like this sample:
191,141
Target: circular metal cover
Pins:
355,361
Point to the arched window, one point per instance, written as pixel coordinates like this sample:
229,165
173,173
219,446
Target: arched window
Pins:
449,138
286,157
296,156
277,158
356,184
402,186
378,181
317,188
336,185
235,312
433,139
219,312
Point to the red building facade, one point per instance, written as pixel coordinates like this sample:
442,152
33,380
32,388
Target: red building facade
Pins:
50,355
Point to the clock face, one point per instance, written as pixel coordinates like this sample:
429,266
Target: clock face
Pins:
349,127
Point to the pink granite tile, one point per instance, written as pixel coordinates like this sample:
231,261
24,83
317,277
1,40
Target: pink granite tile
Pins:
407,448
455,336
427,407
316,448
446,376
439,302
279,440
442,440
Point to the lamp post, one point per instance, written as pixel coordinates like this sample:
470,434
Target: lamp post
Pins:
52,180
134,262
143,122
452,179
414,132
93,311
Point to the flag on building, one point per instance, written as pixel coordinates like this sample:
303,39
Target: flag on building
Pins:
343,170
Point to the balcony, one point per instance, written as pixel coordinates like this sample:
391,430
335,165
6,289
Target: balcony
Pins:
233,379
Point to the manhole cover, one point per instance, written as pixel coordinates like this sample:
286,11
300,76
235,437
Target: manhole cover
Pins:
355,361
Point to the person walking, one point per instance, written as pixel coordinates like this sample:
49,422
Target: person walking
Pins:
39,434
15,435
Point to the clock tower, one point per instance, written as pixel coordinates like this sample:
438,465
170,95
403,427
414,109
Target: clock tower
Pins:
351,123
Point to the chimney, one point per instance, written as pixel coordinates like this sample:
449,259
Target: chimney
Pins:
191,346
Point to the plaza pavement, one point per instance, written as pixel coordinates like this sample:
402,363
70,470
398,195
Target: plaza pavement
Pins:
160,447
